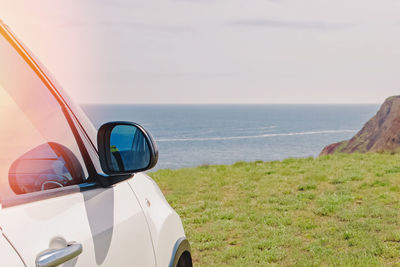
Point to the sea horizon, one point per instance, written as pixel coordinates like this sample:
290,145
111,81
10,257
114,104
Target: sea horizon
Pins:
189,135
226,104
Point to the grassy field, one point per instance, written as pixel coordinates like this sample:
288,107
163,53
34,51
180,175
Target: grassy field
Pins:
334,210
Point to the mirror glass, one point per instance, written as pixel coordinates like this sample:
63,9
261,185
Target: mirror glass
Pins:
128,148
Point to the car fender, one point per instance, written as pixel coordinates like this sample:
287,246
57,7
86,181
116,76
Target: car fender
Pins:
164,223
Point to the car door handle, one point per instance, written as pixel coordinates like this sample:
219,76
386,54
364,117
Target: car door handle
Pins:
54,257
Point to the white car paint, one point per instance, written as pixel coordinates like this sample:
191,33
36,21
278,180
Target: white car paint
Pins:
109,223
9,256
127,224
164,223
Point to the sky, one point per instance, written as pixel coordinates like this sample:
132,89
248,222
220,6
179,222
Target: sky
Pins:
215,51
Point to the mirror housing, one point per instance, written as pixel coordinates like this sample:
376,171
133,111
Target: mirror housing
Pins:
125,148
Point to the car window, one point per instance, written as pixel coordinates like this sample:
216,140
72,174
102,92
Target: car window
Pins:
38,150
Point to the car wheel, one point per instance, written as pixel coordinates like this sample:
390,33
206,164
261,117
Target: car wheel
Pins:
185,260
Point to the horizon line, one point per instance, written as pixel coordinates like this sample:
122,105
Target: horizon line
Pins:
362,103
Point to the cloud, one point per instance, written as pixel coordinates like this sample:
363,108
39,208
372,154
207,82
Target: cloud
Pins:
306,25
129,73
127,25
116,3
152,27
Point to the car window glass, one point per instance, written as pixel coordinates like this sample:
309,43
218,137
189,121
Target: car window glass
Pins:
38,150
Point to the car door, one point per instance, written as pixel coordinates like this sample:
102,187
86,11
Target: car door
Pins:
52,208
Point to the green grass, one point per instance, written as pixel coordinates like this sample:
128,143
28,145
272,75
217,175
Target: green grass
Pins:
334,210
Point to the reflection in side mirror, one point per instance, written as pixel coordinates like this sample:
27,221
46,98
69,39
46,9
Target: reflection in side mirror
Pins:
128,148
47,166
125,148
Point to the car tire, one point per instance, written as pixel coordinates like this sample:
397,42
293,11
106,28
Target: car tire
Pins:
185,260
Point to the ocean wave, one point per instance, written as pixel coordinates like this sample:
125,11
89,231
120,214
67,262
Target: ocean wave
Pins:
222,138
267,127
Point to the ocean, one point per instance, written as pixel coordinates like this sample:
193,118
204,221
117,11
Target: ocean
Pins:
192,135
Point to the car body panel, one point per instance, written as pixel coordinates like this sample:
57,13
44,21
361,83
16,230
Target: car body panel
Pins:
164,223
108,222
9,257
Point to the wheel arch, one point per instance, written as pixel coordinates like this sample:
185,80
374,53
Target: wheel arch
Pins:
181,248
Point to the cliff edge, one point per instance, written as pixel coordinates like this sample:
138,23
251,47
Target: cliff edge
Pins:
380,133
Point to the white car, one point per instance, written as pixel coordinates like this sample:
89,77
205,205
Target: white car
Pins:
71,195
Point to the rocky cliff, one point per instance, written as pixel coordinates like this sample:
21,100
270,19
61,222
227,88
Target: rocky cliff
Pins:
380,133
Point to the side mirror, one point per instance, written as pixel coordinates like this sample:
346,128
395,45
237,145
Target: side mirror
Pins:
125,148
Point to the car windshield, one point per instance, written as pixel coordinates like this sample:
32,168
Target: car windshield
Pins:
32,123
